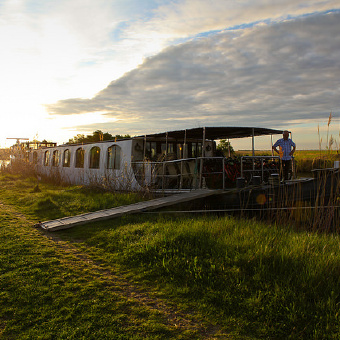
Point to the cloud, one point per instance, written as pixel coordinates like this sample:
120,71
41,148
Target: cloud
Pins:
267,75
180,19
59,49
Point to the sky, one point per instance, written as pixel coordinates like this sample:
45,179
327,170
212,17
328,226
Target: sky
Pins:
136,67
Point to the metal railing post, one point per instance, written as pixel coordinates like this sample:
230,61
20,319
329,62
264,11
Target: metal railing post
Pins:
242,166
163,172
181,174
201,173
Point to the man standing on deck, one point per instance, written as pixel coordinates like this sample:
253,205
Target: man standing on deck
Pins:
286,152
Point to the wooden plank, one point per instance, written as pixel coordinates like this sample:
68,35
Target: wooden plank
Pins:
71,221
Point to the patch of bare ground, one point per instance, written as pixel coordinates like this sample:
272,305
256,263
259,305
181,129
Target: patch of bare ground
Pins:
118,283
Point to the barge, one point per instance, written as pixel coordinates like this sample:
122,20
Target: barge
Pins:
172,161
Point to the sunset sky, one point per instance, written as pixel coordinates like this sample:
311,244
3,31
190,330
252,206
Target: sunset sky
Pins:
132,66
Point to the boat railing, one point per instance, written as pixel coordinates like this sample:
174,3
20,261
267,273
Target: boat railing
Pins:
202,172
185,173
262,166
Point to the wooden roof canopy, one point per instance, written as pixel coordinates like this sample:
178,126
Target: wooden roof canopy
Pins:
215,133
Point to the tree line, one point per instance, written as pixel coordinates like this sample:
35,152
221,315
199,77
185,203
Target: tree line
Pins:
97,136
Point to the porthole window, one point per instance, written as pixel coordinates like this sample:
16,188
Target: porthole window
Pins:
113,157
95,157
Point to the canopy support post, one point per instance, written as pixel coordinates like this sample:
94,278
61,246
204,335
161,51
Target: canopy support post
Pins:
228,147
253,146
165,158
202,160
144,159
271,141
183,156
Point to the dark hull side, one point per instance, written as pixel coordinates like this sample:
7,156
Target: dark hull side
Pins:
322,190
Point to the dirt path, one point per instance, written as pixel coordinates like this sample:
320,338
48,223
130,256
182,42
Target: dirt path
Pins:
117,282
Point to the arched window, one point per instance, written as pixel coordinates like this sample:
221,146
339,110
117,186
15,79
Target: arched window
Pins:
55,158
80,153
47,158
113,157
67,158
95,157
35,157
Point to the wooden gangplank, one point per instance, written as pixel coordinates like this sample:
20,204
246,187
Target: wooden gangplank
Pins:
72,221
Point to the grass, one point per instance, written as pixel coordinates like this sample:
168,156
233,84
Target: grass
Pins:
47,294
50,290
252,280
159,277
52,202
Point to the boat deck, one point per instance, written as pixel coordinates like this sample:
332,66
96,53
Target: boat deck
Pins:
72,221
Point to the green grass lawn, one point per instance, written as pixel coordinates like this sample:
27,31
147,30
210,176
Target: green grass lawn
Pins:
159,277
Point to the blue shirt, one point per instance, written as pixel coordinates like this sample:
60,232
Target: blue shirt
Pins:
286,146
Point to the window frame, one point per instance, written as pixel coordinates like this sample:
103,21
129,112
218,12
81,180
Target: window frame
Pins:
68,163
80,162
55,158
116,156
47,158
94,159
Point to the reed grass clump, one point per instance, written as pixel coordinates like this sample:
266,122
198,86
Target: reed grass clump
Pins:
21,167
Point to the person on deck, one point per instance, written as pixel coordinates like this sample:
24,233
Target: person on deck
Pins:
286,150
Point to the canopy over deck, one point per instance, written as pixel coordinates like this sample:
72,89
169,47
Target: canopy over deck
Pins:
215,133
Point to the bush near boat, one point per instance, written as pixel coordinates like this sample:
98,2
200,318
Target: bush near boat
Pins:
234,278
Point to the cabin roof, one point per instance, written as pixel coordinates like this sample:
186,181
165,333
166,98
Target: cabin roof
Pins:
215,133
211,133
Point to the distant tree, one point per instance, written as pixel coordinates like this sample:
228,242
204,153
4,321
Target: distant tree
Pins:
224,146
77,139
96,136
122,137
107,136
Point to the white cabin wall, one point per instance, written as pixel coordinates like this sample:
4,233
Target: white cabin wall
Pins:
123,178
